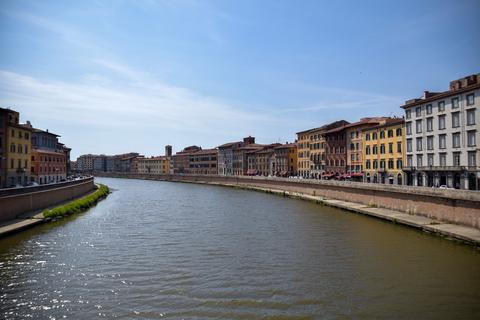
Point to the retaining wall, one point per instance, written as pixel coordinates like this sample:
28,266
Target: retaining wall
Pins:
18,202
454,206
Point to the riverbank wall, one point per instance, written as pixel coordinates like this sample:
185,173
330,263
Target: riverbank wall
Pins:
459,207
15,202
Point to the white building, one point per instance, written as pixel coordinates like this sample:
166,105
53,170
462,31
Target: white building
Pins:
442,136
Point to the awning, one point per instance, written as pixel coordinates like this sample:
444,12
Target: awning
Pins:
357,175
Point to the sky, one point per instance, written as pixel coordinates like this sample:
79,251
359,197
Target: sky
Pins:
118,76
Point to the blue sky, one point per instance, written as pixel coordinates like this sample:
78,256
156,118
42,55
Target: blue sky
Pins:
120,76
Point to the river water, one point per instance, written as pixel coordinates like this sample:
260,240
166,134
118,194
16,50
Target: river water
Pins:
162,250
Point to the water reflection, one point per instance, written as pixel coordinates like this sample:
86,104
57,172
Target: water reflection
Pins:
166,250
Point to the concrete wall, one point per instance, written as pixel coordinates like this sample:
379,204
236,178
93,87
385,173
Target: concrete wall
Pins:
16,203
454,206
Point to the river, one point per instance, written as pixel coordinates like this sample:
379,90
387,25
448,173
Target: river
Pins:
163,250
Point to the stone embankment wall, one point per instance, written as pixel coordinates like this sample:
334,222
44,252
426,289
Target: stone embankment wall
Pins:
14,202
454,206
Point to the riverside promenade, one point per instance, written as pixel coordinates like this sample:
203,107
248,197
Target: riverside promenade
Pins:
454,214
23,208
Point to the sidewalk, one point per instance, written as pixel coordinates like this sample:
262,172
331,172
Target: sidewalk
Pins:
30,219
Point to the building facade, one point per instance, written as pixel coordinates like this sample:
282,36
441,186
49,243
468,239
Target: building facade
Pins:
4,115
16,150
311,144
303,153
336,152
231,160
49,157
99,163
181,160
85,163
204,161
154,165
442,134
355,145
286,159
383,152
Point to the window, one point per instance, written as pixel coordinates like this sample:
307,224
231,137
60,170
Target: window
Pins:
399,147
455,119
399,132
375,150
12,148
471,138
367,150
441,122
399,163
382,134
429,109
456,158
408,113
430,159
382,149
418,111
470,99
418,125
456,140
441,106
408,127
374,136
409,161
429,124
419,143
442,159
419,160
20,149
470,117
382,164
367,164
430,143
390,147
375,164
390,133
454,103
442,141
409,145
390,163
367,136
472,158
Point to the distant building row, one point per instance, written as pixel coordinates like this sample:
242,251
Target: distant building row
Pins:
28,154
434,144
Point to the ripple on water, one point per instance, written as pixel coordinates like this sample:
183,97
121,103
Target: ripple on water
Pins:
156,250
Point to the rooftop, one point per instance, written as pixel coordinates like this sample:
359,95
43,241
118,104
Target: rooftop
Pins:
462,85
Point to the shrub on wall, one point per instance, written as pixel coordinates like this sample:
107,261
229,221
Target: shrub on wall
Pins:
78,205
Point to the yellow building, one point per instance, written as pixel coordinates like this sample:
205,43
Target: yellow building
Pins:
16,151
303,153
384,152
154,165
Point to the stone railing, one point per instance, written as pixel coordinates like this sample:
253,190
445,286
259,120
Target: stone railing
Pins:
17,201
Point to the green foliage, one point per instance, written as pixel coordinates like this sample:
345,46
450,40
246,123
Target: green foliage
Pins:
78,205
